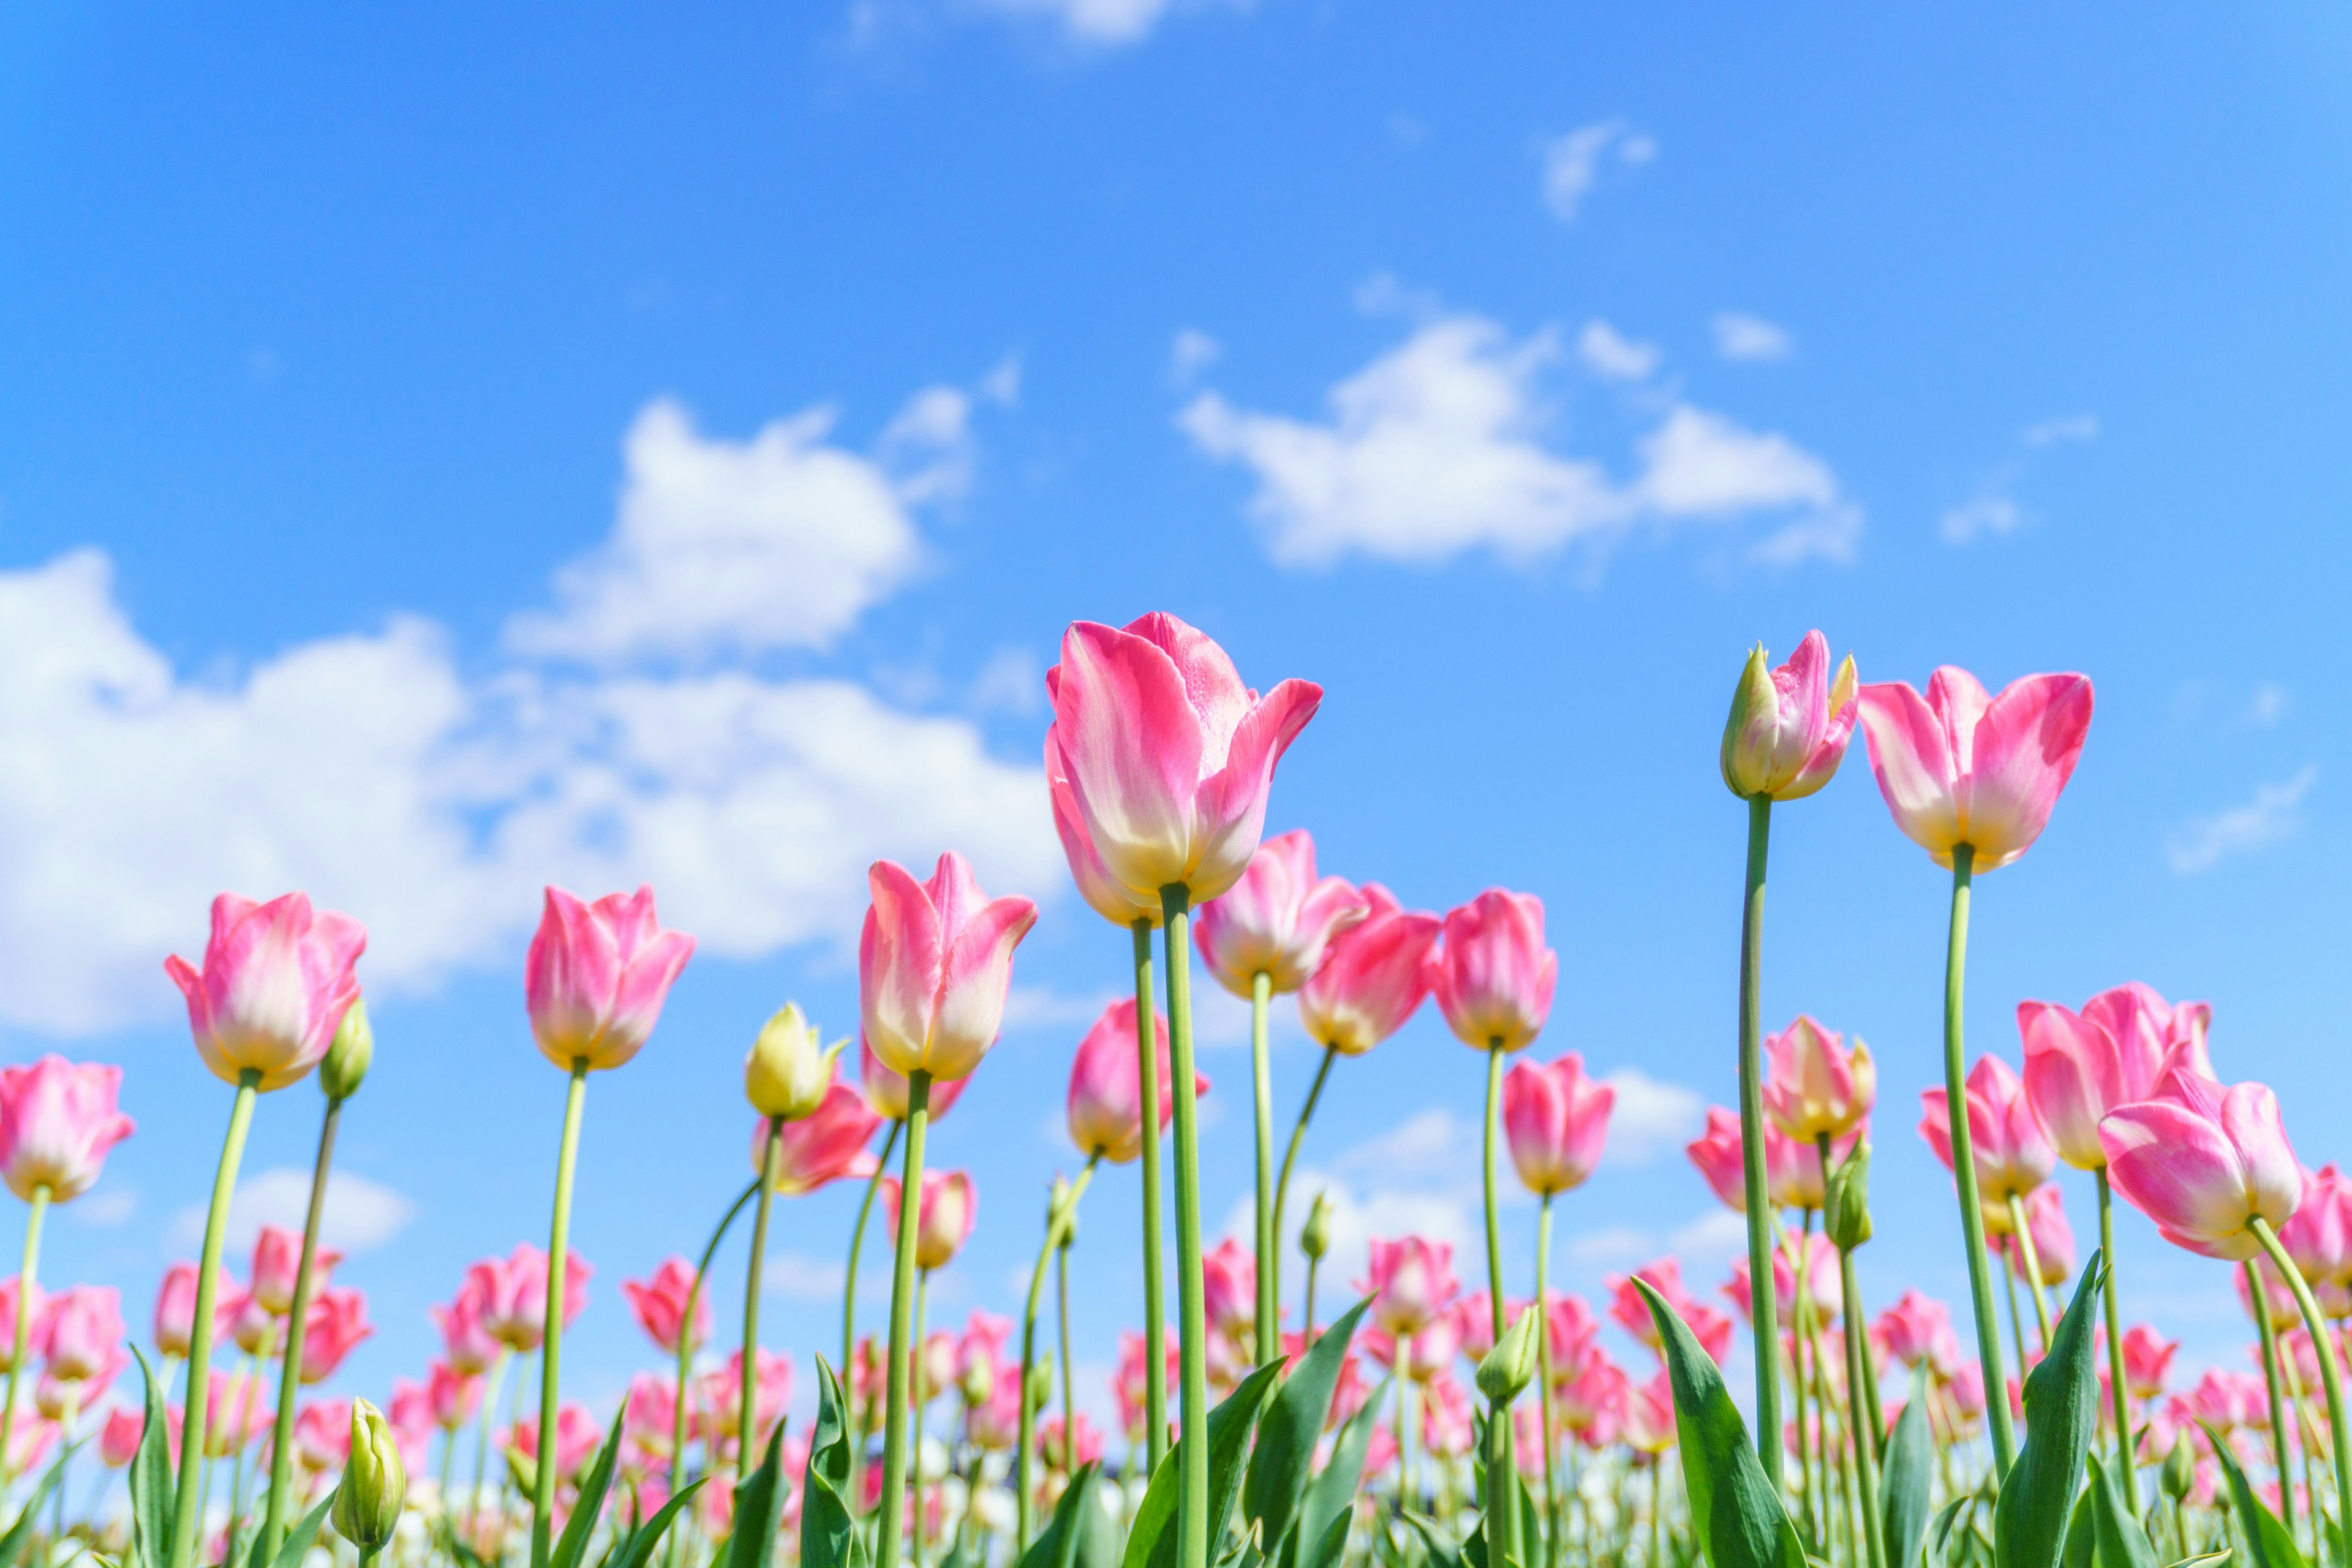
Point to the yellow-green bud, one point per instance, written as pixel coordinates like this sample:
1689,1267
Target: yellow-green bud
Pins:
1315,1236
1845,1212
2178,1476
1511,1364
1041,1386
346,1062
978,1382
1768,749
367,1506
787,1070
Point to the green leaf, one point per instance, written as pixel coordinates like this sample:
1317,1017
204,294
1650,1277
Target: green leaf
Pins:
1735,1509
1904,1485
829,1533
2123,1541
591,1506
1940,1537
1151,1541
2062,1396
297,1542
2082,1536
1279,1466
1441,1555
2269,1543
1057,1545
635,1552
759,1504
11,1545
1329,1505
150,1478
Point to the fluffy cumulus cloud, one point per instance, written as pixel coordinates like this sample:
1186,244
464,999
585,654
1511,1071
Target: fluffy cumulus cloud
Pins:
380,775
1446,443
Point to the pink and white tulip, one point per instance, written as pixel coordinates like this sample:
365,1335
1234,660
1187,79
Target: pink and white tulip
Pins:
2053,1237
1277,920
336,1325
934,963
2319,1236
2204,1161
511,1293
596,976
57,1120
1410,1281
18,1297
1918,1329
466,1336
2080,1066
1493,976
1788,726
829,1144
886,1091
944,1223
80,1333
1229,1287
1813,1085
1557,1120
277,1259
2012,1156
1374,977
1961,766
119,1439
454,1395
1106,1100
276,984
660,1305
176,1308
2147,1360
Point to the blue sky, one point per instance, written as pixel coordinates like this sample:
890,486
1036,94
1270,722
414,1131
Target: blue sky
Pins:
443,454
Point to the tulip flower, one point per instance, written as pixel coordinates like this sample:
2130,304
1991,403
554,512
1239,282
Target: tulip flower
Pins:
1788,726
1821,1293
323,1434
1650,1417
934,963
1445,1416
1814,1088
789,1067
1410,1281
277,1256
336,1325
2318,1235
1918,1329
58,1121
512,1296
1557,1120
81,1333
1105,1101
662,1305
2012,1157
1229,1289
2148,1360
823,1147
119,1439
950,1205
466,1337
886,1091
771,1390
568,1449
2053,1238
1424,1353
452,1395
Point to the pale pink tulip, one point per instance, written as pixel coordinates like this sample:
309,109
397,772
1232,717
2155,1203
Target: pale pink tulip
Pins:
176,1308
1589,1396
466,1336
80,1333
1557,1120
722,1392
236,1412
934,963
1164,756
276,984
277,1259
337,1323
1476,1311
1278,921
64,1398
596,976
1229,1287
2053,1238
1129,1383
1788,726
1572,1327
1813,1085
453,1395
1088,1440
409,1416
944,1220
1373,978
2319,1236
2012,1158
979,1349
829,1143
1650,1415
32,1303
1424,1353
993,1425
2204,1161
1792,1171
119,1439
1961,766
2080,1066
511,1293
1412,1280
578,1435
2147,1360
939,1362
1917,1329
1493,976
1446,1420
58,1121
659,1304
251,1328
1822,1283
1711,1329
323,1434
1106,1102
885,1091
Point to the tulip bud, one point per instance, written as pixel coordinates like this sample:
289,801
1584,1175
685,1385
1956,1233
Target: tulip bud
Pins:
1846,1214
1511,1364
346,1063
786,1071
1041,1386
1315,1236
979,1381
2178,1476
367,1505
1753,699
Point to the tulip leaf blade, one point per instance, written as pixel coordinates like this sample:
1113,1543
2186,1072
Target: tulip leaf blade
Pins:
1151,1540
1333,1494
2269,1544
11,1545
638,1549
2122,1540
2036,1504
1904,1485
1441,1554
829,1533
2082,1549
299,1539
1072,1535
1280,1463
1735,1508
591,1505
151,1478
759,1502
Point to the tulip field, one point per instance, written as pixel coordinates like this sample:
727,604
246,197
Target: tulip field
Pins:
1439,1412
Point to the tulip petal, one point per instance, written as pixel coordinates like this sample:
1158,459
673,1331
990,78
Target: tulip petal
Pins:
1229,807
1212,687
2073,1077
2022,752
975,973
898,958
2174,1165
1134,748
2250,1116
1911,756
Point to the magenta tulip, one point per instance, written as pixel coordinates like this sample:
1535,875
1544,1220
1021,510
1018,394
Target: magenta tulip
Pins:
660,1305
2204,1161
1105,1100
277,1257
80,1333
1918,1329
1493,976
1409,1281
1278,921
337,1323
598,974
829,1144
1814,1086
1557,1120
934,963
512,1294
1373,975
1961,766
58,1121
119,1439
276,984
2012,1158
2080,1066
2148,1360
1229,1287
944,1219
1788,726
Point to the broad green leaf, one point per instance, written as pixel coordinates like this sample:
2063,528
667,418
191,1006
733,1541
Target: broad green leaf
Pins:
1735,1509
759,1504
1940,1535
1057,1545
150,1478
297,1542
638,1549
2123,1541
829,1533
1902,1486
1331,1496
591,1506
11,1545
2082,1536
1441,1555
1154,1515
1151,1541
1332,1544
2062,1396
2269,1543
1279,1465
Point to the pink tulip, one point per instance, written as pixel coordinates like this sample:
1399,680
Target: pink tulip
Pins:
119,1439
2147,1360
1822,1283
934,963
829,1143
323,1434
1425,1352
236,1412
2053,1238
1961,766
660,1305
1049,1441
1229,1287
979,1349
1632,1310
1792,1171
722,1392
453,1396
1445,1419
34,1306
596,976
1589,1394
1917,1329
1278,921
1106,1102
511,1293
276,984
2319,1236
1572,1328
1373,975
1131,1383
1788,726
2012,1156
251,1329
1411,1281
1558,1123
2080,1066
1813,1085
277,1259
409,1416
938,1361
466,1336
1493,976
81,1335
337,1323
64,1398
2204,1161
944,1221
1475,1310
176,1308
1164,756
578,1435
57,1123
993,1425
885,1091
1650,1415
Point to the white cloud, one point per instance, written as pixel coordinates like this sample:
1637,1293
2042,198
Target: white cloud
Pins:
1702,1244
1650,1117
2270,704
2060,431
1712,1237
1572,163
1099,22
106,1208
1439,446
1740,336
1013,680
2274,813
1991,513
1971,520
1192,353
797,1277
1606,353
360,1216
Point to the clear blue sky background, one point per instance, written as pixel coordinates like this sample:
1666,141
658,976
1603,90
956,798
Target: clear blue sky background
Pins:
1508,373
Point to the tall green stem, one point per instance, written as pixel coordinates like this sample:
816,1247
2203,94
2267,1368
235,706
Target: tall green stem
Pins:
188,1509
849,1316
550,1350
2023,1240
1858,1378
490,1390
686,1353
1025,1487
1504,1543
902,1309
747,1420
2331,1376
1290,1158
35,1213
2259,1294
298,1315
921,1373
1155,1292
1192,1542
1964,1169
1814,1509
2117,1387
1269,1334
1756,1189
1543,1373
1062,1332
2304,1432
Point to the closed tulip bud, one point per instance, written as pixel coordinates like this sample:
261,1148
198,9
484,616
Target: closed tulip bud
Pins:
368,1504
2179,1476
977,1382
1788,726
1847,1217
1509,1366
1041,1386
787,1071
345,1066
1315,1236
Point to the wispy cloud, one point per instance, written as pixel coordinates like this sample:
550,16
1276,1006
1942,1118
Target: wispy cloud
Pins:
1651,1117
1993,510
1572,163
359,1215
1608,353
1742,337
2275,812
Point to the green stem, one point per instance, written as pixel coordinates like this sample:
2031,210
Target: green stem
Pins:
1857,1378
1269,1334
1025,1488
1964,1170
686,1354
550,1350
36,1212
921,1373
849,1319
2331,1376
1290,1158
1503,1473
483,1423
1155,1292
2260,1295
1756,1191
1814,1510
747,1421
298,1315
2304,1433
1062,1329
1543,1373
902,1308
1193,1543
1310,1301
2117,1388
189,1509
2016,1318
2024,1243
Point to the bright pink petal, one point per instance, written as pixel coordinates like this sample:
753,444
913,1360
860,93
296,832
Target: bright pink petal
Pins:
1135,752
977,972
1230,804
2024,750
1911,756
898,963
2073,1077
2175,1166
1212,687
